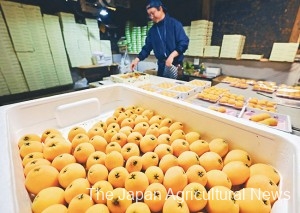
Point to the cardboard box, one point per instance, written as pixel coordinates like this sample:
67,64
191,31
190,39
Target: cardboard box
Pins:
284,52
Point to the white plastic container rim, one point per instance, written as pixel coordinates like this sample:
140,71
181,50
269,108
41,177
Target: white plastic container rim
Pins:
264,144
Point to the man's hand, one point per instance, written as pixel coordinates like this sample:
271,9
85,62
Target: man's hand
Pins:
171,57
169,61
134,63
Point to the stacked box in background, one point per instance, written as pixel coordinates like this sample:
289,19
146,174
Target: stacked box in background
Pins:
284,52
211,51
3,86
136,36
200,36
83,41
42,55
97,46
187,30
17,22
144,35
94,34
37,50
67,22
128,26
105,47
232,46
77,45
149,25
84,45
136,42
32,64
9,64
58,51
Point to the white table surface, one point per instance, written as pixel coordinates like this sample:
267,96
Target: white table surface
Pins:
293,112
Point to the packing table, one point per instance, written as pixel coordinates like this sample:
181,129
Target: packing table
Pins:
282,108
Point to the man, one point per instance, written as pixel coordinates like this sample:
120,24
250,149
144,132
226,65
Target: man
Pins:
166,38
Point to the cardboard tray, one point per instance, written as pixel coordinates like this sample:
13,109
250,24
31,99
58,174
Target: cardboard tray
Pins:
129,77
229,109
200,84
84,107
190,90
264,107
288,93
284,121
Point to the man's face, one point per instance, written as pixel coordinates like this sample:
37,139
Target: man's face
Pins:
154,14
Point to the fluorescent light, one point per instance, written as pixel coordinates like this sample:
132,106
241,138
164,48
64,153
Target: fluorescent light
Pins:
112,8
103,12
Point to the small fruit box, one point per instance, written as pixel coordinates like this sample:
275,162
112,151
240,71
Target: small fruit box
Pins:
284,121
165,85
200,84
288,93
261,104
149,87
85,107
130,77
228,109
169,93
184,90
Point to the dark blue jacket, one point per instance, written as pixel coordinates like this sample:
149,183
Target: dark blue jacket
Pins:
163,38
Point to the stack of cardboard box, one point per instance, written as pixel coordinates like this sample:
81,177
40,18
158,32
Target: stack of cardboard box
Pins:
212,51
200,37
56,44
232,46
284,52
25,49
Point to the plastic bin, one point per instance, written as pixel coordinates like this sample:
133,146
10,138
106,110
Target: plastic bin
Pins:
84,107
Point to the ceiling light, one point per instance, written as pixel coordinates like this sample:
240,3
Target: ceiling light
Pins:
111,8
103,12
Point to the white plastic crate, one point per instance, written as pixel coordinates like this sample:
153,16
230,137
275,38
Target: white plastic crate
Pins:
84,107
129,77
284,121
185,91
200,84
